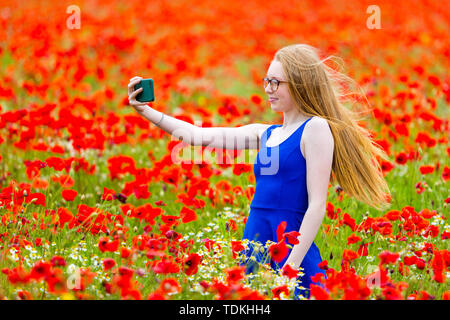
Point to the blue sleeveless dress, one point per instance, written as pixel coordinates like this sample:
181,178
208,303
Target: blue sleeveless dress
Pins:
280,195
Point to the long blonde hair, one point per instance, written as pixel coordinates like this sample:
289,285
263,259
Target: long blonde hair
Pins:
320,90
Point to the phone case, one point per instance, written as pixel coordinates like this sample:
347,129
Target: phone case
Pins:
148,94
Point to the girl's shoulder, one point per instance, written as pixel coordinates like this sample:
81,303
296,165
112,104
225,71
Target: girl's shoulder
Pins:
317,125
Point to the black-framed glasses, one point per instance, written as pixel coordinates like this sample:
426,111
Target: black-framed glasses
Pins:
274,83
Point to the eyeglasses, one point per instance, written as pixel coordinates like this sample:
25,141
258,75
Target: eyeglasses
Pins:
274,83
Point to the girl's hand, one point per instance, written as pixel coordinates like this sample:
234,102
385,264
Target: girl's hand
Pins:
138,106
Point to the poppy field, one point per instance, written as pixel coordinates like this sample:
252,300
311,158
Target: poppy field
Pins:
96,202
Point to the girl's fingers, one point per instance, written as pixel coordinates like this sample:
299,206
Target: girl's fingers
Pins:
132,83
134,78
135,93
131,86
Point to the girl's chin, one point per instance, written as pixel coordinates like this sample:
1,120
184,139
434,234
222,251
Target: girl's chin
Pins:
274,104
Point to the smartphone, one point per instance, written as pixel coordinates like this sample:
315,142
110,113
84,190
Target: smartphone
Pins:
148,92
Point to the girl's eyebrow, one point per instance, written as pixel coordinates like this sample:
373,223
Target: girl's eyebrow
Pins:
278,78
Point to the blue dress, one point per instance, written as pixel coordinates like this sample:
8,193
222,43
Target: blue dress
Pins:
280,195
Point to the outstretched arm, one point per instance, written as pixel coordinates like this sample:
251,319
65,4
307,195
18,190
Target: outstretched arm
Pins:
234,138
319,147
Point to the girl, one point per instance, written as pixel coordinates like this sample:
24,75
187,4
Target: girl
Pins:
318,140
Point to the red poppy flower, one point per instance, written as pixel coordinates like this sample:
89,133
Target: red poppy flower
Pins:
420,188
256,99
58,261
108,194
166,267
64,216
384,145
56,163
278,251
113,246
56,281
402,129
289,272
240,168
38,242
108,263
102,243
426,169
279,290
170,220
280,230
157,294
392,293
318,277
446,173
40,270
105,245
424,138
292,237
141,191
16,275
160,203
401,158
231,224
187,215
190,265
438,265
318,293
353,239
235,274
23,294
323,265
349,221
331,213
69,194
393,215
40,198
236,247
420,263
349,255
386,166
363,251
431,230
427,214
126,272
387,257
170,285
434,80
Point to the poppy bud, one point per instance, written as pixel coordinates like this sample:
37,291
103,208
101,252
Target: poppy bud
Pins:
121,197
